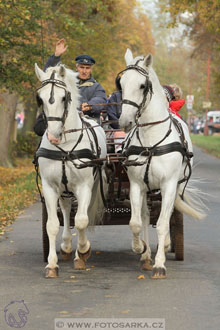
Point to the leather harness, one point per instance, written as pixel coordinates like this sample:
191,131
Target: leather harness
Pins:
155,150
92,154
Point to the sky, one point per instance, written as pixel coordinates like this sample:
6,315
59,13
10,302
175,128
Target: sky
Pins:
151,7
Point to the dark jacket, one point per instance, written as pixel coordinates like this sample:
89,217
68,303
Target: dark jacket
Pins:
114,111
90,91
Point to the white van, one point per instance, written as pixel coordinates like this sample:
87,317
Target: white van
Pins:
213,121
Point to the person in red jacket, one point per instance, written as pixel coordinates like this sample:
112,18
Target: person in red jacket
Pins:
174,96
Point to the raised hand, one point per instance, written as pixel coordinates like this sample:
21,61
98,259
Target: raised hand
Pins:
60,47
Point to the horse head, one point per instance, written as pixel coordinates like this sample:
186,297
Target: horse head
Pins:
58,85
136,88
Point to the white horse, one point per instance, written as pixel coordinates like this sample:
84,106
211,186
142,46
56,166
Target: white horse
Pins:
70,144
157,158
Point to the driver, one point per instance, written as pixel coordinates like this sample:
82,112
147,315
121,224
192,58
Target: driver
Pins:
91,92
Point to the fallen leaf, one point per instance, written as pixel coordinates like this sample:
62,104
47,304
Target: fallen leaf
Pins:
12,253
141,277
126,311
9,229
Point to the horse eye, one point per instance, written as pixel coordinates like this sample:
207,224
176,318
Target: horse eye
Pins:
142,86
64,99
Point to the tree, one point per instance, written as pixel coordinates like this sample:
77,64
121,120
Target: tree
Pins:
29,30
202,19
20,47
7,118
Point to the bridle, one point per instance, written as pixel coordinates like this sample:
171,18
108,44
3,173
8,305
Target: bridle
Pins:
147,87
67,98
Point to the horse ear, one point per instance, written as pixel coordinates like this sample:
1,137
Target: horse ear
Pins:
128,56
39,72
62,71
148,61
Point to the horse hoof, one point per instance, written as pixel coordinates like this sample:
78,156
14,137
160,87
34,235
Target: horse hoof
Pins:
158,273
84,256
79,264
147,265
51,272
65,255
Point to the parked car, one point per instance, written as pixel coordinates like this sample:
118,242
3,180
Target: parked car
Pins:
213,119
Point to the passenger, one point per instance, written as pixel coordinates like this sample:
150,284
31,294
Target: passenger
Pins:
114,112
175,102
91,92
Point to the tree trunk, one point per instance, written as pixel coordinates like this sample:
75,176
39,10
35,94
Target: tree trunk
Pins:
8,102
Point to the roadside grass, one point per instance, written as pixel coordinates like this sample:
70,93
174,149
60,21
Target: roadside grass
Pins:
210,144
17,191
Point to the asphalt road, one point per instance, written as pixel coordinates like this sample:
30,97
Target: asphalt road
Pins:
189,299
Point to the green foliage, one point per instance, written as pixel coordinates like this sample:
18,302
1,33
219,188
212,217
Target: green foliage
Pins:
25,146
208,143
104,29
20,30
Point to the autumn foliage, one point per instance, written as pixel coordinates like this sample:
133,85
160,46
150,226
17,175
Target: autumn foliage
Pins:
17,190
202,19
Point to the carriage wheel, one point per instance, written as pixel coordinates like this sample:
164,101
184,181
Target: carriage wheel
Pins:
45,237
178,241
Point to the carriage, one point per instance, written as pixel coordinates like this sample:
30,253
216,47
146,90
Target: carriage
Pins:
145,185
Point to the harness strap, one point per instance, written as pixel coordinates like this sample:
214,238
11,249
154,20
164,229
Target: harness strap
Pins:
65,180
65,155
146,180
159,151
36,165
153,123
124,101
90,127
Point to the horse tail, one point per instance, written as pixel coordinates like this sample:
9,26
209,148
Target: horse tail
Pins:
96,208
192,205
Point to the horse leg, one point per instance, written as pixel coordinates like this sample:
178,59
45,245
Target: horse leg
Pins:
167,242
66,245
136,198
145,214
168,197
81,222
53,224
